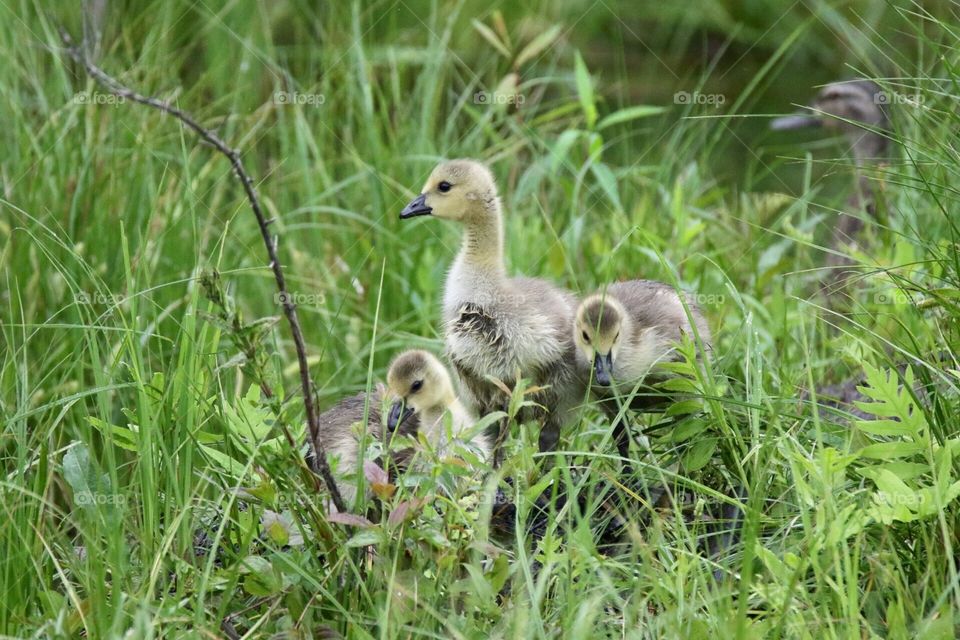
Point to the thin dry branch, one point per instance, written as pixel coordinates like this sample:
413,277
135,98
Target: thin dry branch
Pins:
289,308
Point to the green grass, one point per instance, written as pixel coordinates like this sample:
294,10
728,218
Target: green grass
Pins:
129,425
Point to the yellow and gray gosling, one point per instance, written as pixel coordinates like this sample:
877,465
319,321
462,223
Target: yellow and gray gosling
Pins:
856,109
420,386
420,391
624,332
496,325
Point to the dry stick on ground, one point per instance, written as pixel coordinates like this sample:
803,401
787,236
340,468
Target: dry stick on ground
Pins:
289,308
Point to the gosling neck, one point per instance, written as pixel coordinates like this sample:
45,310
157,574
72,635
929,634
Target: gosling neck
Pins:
482,246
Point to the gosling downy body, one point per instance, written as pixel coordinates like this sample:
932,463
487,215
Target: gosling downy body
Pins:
624,332
420,386
342,434
497,325
856,109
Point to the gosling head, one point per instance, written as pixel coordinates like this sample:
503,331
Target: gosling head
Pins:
417,382
846,107
598,331
461,190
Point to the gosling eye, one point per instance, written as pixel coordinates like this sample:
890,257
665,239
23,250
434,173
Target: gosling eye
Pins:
616,337
444,186
416,386
586,338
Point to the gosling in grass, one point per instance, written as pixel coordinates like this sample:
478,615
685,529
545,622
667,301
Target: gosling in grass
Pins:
856,109
496,325
624,332
420,386
421,394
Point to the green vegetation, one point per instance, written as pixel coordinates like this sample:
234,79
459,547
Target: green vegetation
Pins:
142,469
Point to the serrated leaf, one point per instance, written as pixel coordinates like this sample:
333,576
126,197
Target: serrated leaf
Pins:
888,450
628,114
906,471
890,399
585,91
536,46
678,385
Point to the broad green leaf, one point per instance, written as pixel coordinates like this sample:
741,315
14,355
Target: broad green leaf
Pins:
687,429
90,487
366,538
699,454
684,407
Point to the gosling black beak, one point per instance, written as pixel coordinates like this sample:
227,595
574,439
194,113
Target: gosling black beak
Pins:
795,121
398,414
602,369
417,207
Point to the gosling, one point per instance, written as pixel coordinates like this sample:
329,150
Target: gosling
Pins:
854,108
496,325
420,392
420,386
624,332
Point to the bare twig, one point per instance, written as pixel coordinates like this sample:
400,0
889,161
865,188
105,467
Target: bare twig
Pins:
289,308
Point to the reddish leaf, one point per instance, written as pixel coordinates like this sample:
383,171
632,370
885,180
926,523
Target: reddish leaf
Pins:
404,511
349,519
374,474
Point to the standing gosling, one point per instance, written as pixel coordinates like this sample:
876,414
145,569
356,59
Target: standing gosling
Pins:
855,108
496,325
624,332
420,385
